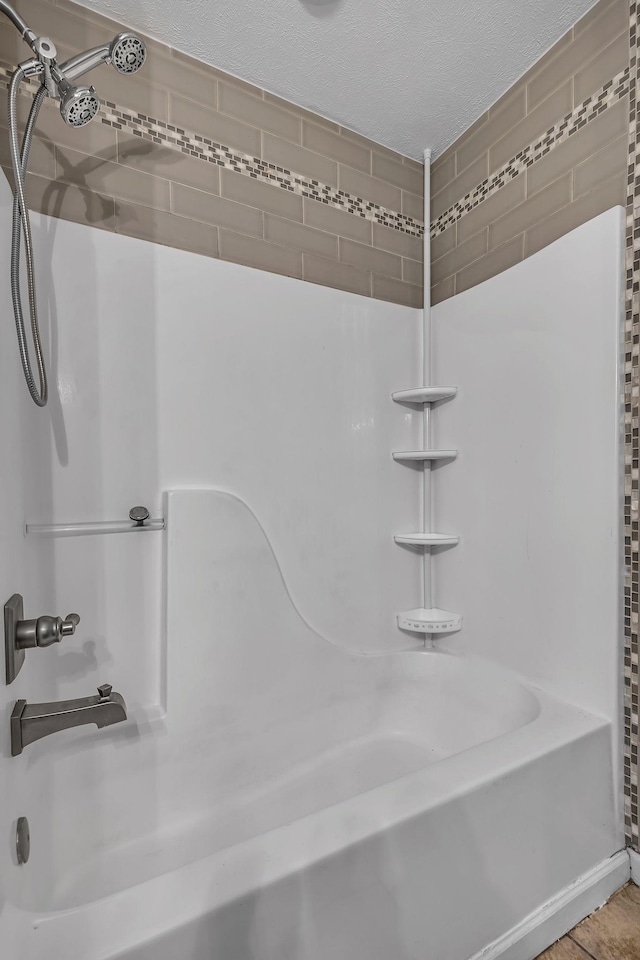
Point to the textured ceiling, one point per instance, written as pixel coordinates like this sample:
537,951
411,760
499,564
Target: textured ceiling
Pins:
406,73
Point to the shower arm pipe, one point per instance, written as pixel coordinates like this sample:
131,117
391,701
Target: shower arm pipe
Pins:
427,585
23,29
84,62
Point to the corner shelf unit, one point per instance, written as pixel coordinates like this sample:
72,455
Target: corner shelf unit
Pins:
421,620
424,394
427,539
425,455
430,621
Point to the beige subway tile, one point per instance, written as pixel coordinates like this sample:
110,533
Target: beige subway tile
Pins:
444,242
299,160
395,241
260,254
442,291
610,125
336,147
42,159
12,47
512,111
459,257
361,185
537,122
263,196
443,170
191,79
194,65
490,265
158,226
471,131
525,215
608,162
412,205
371,145
611,61
399,174
258,113
193,117
396,291
416,165
198,205
301,112
112,179
289,233
338,275
134,94
569,58
369,258
412,271
460,186
69,202
598,11
166,162
545,61
494,207
608,194
331,220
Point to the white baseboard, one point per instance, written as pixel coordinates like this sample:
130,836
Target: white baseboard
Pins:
550,922
634,859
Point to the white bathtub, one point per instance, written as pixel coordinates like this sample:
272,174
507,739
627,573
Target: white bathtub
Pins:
303,802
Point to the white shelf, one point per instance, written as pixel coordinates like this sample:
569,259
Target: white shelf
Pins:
424,394
427,539
430,621
425,455
91,529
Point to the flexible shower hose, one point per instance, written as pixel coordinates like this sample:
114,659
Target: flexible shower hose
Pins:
22,226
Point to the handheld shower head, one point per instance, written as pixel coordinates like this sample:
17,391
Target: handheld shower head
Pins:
78,105
127,53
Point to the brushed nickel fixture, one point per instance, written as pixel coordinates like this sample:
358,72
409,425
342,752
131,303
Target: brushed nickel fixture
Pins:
32,721
78,105
139,515
21,634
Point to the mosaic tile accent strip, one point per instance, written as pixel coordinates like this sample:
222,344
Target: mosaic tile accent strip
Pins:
609,94
632,450
202,148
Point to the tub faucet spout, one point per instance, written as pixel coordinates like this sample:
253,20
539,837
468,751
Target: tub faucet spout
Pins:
32,721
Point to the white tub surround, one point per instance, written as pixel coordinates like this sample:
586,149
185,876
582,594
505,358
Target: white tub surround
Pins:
303,785
348,789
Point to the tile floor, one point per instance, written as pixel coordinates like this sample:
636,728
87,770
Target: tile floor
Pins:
612,933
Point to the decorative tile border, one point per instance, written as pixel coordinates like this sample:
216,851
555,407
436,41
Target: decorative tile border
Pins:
632,450
202,148
608,95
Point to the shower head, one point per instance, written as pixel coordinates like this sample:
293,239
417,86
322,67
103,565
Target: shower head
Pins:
127,53
78,105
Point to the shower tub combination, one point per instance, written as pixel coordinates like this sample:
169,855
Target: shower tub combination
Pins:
290,798
308,802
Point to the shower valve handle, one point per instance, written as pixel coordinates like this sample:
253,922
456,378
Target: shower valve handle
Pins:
44,631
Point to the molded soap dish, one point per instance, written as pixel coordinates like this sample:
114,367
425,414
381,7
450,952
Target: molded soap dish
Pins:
430,621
